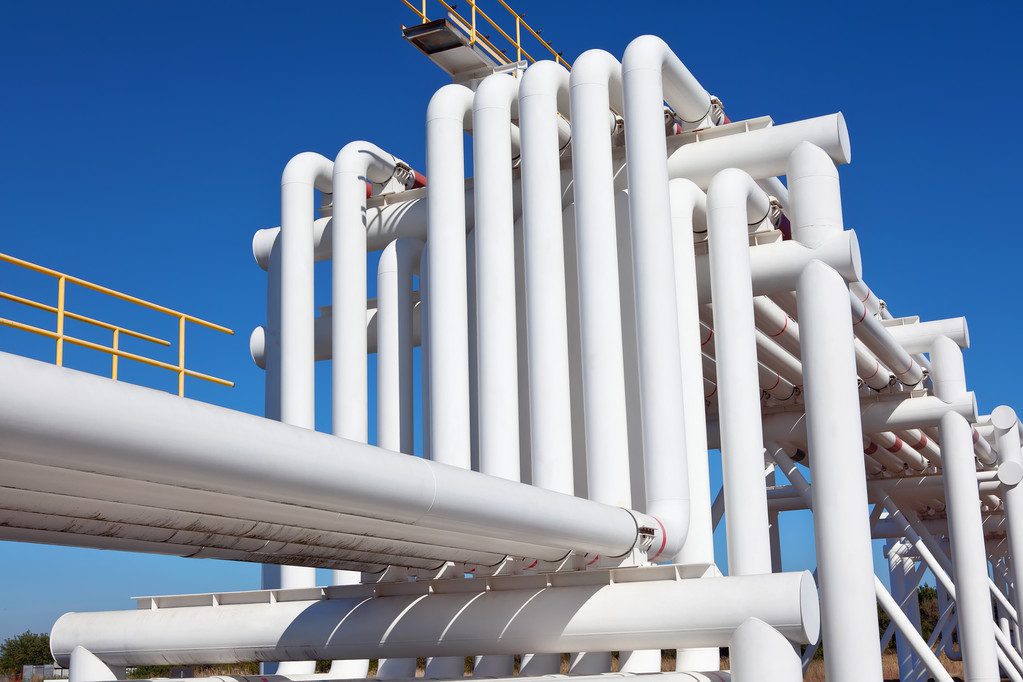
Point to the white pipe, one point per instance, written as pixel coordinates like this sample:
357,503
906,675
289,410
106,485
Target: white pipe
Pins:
447,117
728,207
304,173
652,74
543,94
356,164
395,425
762,153
638,677
596,83
629,615
689,209
84,666
973,599
494,106
917,337
1005,423
841,531
758,653
127,431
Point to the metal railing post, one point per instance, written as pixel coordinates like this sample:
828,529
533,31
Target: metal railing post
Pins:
115,344
181,355
61,288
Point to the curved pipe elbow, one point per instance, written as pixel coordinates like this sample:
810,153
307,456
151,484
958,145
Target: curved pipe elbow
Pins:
546,78
497,91
670,525
365,160
600,68
681,89
814,194
309,168
401,255
688,201
452,102
948,375
733,188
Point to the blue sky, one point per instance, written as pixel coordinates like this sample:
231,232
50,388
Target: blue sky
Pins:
142,145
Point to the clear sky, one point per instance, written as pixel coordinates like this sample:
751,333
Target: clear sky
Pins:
142,144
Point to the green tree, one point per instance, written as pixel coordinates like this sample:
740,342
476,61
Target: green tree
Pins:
28,648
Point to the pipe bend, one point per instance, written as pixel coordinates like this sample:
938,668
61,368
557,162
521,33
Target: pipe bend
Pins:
452,102
401,255
365,159
309,168
681,89
688,200
672,516
600,68
497,91
545,78
732,188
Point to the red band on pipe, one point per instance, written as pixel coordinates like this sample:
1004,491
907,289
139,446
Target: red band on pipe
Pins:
710,335
783,328
777,380
594,560
369,190
420,180
870,449
877,368
923,442
711,394
664,540
896,446
862,317
535,562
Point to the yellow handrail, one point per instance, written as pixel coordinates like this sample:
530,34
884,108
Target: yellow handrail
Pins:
61,337
474,35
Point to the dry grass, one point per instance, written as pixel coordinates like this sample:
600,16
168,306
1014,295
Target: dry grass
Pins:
889,666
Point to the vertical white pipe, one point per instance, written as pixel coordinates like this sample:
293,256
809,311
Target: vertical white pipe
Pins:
1005,423
493,106
395,427
759,653
689,213
447,117
652,74
595,83
834,433
424,349
733,198
544,94
356,164
305,173
969,558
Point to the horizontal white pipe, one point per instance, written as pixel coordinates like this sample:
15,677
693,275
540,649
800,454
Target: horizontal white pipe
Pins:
110,498
918,337
881,343
132,432
625,615
762,153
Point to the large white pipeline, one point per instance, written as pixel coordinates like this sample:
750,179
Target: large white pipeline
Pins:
498,621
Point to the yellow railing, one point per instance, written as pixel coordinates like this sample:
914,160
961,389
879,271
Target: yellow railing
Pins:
475,36
113,350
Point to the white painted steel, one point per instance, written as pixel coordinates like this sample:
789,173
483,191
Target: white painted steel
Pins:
106,429
543,96
761,654
845,565
448,116
494,105
595,84
1005,423
630,615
